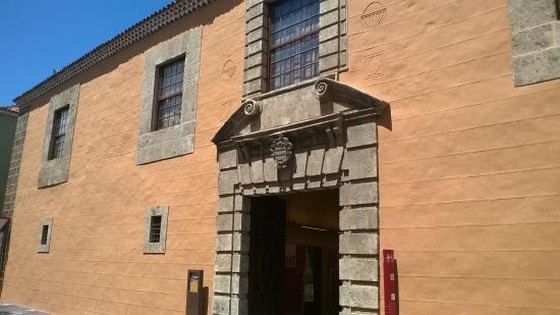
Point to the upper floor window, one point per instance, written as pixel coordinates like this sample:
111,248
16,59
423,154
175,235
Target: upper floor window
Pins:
169,98
294,38
169,94
58,137
58,132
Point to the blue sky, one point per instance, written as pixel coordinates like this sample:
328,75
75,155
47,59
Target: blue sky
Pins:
41,35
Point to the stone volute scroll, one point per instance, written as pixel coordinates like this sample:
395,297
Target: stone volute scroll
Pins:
322,89
251,108
329,90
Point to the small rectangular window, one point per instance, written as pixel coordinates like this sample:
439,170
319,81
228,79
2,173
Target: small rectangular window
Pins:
44,239
44,235
169,94
294,40
58,132
155,229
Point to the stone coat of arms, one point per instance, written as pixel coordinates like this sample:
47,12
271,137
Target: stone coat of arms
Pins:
281,149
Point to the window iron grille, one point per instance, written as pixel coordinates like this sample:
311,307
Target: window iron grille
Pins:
155,229
60,122
44,234
294,38
169,94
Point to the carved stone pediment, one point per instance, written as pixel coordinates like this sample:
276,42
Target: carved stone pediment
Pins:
299,105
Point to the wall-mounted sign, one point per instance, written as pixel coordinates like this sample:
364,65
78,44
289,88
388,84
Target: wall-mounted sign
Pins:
390,283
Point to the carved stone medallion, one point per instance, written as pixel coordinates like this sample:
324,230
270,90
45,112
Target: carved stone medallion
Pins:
228,70
374,14
281,149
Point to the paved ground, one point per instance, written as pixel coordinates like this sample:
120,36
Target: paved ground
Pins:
9,309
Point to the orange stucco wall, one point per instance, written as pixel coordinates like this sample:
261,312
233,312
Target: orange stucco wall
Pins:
469,173
469,168
95,264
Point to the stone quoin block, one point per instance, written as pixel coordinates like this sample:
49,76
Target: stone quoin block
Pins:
360,163
221,305
362,296
224,242
357,193
222,283
361,135
359,269
227,181
227,159
223,263
358,244
359,219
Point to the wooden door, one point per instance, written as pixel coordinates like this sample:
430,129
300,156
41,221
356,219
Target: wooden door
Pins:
266,256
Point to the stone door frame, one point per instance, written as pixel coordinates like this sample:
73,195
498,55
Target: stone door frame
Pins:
333,150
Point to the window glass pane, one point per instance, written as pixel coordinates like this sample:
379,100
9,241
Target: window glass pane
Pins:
170,87
60,120
44,234
155,229
295,41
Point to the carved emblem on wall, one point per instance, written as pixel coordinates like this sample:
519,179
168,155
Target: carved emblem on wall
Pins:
374,14
228,70
225,109
373,65
281,149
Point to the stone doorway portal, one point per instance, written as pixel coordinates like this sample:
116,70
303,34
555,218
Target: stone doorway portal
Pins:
298,140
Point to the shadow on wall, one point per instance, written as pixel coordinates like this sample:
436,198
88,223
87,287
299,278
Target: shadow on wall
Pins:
385,119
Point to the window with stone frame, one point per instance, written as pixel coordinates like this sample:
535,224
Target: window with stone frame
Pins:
155,230
169,98
58,132
294,42
44,239
169,94
58,138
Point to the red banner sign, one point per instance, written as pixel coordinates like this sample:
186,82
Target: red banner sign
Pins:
390,283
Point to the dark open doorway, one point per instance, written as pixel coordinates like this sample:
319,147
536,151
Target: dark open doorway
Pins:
293,266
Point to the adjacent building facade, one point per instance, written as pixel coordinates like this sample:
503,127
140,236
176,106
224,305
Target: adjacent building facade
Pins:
8,120
280,146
